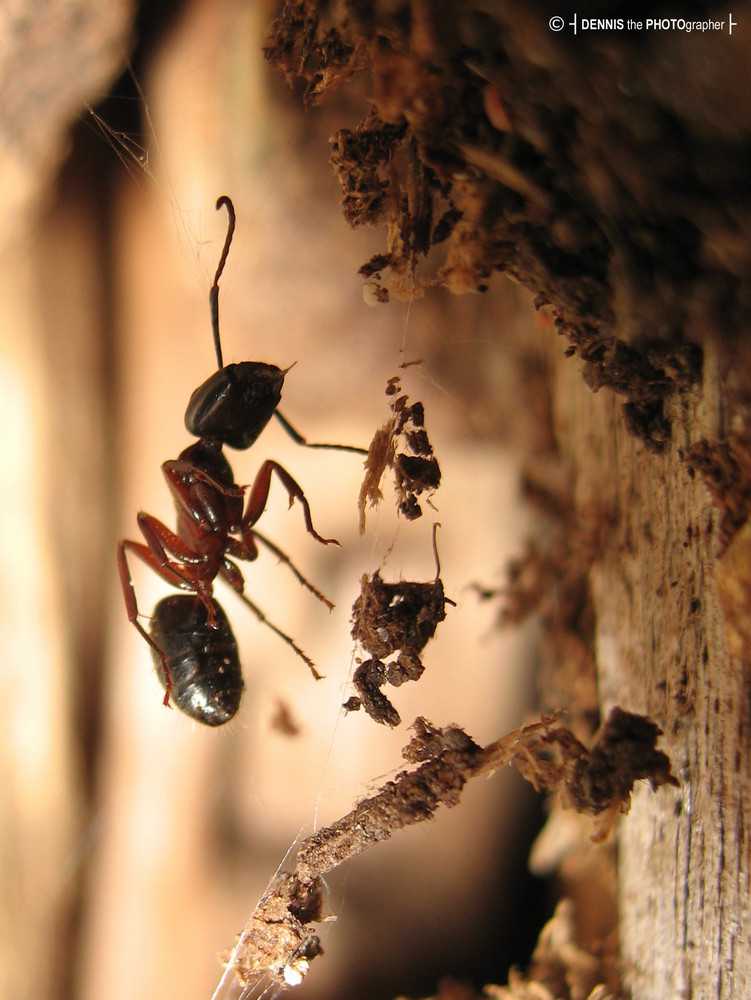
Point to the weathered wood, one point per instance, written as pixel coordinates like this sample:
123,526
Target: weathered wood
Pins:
662,649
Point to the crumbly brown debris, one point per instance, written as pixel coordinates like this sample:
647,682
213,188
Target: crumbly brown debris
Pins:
299,45
393,620
403,446
725,467
278,937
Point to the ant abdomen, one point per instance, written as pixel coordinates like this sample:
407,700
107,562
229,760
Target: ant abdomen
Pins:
236,403
203,661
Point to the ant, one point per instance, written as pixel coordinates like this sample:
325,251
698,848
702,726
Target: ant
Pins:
191,640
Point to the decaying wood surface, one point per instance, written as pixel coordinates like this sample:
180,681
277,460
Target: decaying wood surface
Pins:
596,193
662,649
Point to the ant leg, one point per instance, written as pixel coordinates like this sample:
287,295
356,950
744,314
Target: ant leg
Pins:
131,605
160,541
284,558
259,494
299,439
247,550
234,578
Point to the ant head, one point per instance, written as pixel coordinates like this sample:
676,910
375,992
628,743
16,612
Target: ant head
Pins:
236,403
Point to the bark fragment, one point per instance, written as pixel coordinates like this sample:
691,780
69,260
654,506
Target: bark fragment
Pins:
279,942
393,618
403,446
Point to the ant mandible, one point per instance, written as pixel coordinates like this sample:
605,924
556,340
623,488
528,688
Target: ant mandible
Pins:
192,643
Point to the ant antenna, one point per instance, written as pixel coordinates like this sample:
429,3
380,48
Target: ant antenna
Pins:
214,293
